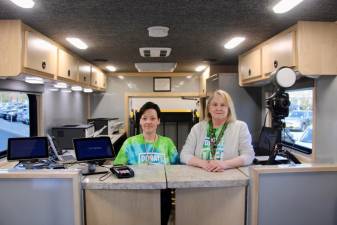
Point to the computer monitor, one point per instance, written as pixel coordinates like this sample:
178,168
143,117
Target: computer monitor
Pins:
27,148
93,149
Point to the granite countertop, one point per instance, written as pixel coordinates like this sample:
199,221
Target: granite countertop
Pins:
182,176
146,177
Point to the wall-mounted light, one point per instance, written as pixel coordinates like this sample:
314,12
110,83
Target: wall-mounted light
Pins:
87,90
76,88
60,85
78,43
111,68
34,80
284,6
232,43
26,4
200,68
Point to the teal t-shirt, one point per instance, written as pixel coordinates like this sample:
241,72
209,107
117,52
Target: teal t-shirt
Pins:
206,147
136,150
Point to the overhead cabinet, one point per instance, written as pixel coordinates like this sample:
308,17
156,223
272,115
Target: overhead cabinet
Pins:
23,50
67,66
308,47
84,72
250,65
40,53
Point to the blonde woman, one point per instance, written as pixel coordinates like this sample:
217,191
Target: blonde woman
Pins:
221,142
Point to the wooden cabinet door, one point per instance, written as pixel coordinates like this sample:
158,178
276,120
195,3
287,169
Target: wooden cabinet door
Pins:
40,54
94,76
250,65
102,80
84,70
68,66
279,52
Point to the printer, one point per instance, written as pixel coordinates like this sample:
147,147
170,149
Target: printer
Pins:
64,135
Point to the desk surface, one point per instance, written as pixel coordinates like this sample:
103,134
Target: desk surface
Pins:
146,177
182,176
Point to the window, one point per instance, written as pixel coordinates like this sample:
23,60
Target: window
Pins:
298,131
17,117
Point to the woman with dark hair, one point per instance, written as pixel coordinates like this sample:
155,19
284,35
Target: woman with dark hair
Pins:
221,142
148,147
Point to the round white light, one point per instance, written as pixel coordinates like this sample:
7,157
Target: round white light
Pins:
285,77
158,31
26,4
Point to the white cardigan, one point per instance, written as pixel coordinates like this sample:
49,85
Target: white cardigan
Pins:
237,142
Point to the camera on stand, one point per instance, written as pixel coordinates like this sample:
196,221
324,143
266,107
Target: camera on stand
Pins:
278,105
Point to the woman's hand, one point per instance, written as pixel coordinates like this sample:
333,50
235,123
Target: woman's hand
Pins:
212,166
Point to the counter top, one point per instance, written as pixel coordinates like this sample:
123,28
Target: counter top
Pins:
182,176
146,177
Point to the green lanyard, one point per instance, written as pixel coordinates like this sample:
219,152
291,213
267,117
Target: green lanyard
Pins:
213,140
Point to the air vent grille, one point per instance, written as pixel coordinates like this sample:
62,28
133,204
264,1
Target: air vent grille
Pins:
154,52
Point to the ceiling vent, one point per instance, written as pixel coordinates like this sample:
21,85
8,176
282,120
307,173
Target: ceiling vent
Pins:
155,67
154,52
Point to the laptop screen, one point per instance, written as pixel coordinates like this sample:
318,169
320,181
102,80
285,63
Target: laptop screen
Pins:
26,148
87,149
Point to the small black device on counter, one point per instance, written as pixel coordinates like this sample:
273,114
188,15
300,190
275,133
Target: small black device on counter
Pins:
122,171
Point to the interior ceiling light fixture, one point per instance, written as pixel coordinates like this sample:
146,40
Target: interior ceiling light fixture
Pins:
66,91
78,43
87,90
76,88
120,77
200,68
61,85
155,67
26,4
158,31
232,43
34,80
111,68
284,6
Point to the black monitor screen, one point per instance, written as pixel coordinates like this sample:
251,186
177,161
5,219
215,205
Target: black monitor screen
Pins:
27,148
87,149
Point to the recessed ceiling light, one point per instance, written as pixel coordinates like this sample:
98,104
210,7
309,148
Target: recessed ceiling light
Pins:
87,90
284,6
34,80
78,43
158,31
111,68
61,85
76,88
27,4
121,77
232,43
66,91
200,68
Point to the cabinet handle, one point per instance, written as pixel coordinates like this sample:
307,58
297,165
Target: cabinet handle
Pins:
249,72
44,65
85,78
68,73
275,64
